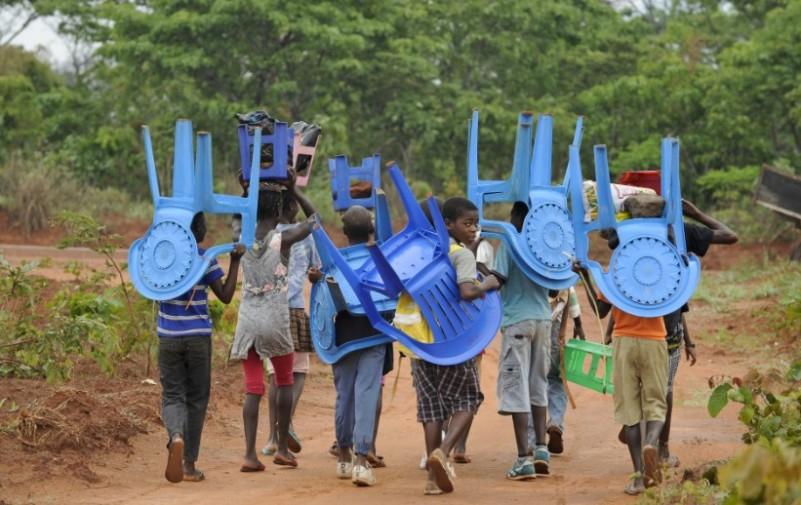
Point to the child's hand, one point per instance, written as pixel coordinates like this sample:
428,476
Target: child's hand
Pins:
578,332
689,210
314,274
490,282
238,252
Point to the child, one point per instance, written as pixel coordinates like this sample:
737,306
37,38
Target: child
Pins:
524,359
303,255
639,355
262,330
184,330
357,375
446,391
564,304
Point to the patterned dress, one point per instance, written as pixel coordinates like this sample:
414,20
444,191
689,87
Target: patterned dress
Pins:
264,310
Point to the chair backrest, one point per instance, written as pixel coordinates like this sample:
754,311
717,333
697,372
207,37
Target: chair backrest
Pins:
165,263
647,276
279,140
307,150
343,176
540,248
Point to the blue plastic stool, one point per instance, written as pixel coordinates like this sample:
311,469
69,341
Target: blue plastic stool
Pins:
279,139
333,294
165,264
415,260
342,174
539,250
647,276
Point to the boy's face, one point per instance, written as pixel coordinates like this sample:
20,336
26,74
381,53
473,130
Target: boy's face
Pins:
465,228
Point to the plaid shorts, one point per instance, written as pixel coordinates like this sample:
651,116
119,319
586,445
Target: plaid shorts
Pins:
444,390
674,357
300,330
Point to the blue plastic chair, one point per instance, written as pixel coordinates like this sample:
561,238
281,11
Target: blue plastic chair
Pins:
647,276
165,264
342,174
280,139
415,260
334,295
539,250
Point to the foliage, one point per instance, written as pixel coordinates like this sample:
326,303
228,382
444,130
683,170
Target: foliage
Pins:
769,469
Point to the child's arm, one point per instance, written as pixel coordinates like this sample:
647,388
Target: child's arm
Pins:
305,204
314,274
721,234
610,327
600,307
471,290
225,292
292,235
689,346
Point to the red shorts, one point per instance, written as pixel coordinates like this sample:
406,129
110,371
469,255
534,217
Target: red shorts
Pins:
254,371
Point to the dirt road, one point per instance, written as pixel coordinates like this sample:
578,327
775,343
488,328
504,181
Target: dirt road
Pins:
594,469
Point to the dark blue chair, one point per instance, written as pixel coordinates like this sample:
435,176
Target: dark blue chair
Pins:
647,275
165,263
539,249
415,260
343,174
333,295
279,140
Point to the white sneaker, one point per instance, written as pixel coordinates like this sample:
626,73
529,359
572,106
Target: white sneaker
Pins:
344,469
363,475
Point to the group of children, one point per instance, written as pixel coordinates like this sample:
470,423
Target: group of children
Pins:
273,326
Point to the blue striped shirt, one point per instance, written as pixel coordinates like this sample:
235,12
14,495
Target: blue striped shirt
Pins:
188,315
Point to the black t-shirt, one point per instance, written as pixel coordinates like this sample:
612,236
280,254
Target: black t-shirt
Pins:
698,239
348,328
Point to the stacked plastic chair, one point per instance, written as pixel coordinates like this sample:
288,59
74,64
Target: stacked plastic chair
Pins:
647,275
278,139
334,294
415,260
343,174
165,263
547,235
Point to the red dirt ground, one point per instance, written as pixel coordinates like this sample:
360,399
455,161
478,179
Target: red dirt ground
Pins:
96,440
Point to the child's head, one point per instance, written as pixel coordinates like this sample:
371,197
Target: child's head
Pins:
270,203
518,215
461,219
424,206
357,225
198,227
290,207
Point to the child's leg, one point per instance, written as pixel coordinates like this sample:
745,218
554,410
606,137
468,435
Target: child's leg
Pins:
254,389
197,397
344,414
283,402
557,396
634,441
172,372
299,371
272,410
367,389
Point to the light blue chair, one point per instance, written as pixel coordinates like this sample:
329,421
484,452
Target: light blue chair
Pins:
165,264
415,260
342,174
333,295
539,250
647,276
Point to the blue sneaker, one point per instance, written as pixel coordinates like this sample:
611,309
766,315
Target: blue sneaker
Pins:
542,460
522,469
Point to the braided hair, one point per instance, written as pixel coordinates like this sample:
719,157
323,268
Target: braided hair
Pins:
271,202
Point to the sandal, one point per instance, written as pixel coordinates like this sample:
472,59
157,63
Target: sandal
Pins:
248,469
376,461
633,490
334,450
293,442
652,474
461,458
282,460
431,488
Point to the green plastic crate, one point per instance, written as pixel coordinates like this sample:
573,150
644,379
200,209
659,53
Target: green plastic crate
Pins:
589,364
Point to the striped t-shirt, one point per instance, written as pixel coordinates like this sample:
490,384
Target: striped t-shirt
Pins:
188,315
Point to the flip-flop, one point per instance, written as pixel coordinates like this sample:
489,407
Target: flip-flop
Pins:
268,450
195,477
652,474
175,460
432,489
334,450
283,460
293,442
248,469
437,462
376,461
462,458
672,461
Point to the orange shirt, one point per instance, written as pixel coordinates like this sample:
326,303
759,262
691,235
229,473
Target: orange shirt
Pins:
627,325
